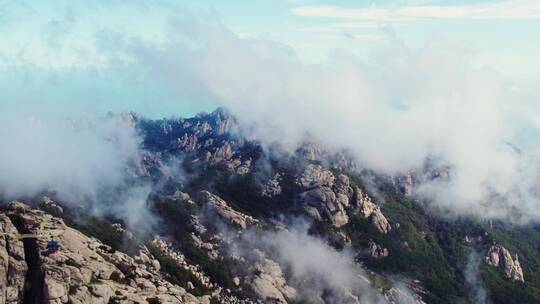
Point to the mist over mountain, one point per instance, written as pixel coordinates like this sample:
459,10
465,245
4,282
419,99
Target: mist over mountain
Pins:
203,211
270,151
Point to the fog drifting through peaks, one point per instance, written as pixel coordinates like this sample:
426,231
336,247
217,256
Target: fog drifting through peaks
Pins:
393,111
318,272
75,159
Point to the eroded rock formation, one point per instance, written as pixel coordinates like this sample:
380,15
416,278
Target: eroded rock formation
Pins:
498,256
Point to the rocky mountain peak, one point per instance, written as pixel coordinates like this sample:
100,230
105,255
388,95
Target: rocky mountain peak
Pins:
221,203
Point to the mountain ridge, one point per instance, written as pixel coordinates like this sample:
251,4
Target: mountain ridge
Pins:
217,202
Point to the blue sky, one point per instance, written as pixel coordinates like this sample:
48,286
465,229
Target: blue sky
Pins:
53,54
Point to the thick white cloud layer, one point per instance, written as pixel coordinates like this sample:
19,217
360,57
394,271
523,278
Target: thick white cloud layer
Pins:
76,159
393,111
318,272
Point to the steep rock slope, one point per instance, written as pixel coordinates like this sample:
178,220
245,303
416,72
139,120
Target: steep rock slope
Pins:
83,271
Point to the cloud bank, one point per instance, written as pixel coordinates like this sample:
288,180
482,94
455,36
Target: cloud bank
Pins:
77,159
504,10
318,272
394,111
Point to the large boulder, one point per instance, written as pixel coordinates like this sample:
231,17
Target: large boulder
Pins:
325,198
371,211
498,256
376,251
315,176
322,204
268,281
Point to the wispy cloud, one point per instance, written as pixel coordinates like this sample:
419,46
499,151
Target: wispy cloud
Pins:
341,31
508,10
450,111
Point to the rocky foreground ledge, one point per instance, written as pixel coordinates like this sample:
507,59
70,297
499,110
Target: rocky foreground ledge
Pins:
83,271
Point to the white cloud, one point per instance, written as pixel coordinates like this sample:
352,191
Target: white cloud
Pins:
76,159
318,272
357,25
340,27
509,10
392,111
331,33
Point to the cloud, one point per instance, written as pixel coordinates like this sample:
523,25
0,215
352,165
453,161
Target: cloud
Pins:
393,111
87,163
342,31
340,27
505,10
473,279
357,25
318,272
76,159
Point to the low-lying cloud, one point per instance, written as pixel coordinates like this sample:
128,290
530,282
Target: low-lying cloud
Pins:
77,159
393,111
473,279
85,163
318,272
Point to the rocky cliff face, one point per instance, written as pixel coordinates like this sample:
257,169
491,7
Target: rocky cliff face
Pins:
219,207
498,256
327,198
324,198
83,271
13,265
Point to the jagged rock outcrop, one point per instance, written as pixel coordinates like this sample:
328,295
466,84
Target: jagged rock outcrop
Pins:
181,197
498,256
315,176
312,151
187,142
398,296
325,197
84,270
167,250
321,204
268,281
218,206
404,182
376,251
220,154
371,211
343,190
208,138
409,184
12,263
49,205
272,187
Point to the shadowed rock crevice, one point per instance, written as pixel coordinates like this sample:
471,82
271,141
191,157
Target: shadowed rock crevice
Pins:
34,286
